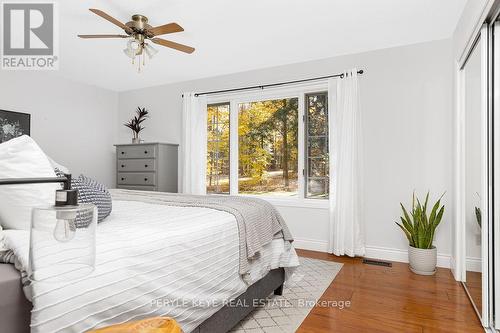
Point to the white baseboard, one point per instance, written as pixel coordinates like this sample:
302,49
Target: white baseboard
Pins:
391,254
311,244
474,264
374,252
453,268
471,264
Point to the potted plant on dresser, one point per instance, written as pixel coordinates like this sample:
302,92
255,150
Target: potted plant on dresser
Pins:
135,123
419,228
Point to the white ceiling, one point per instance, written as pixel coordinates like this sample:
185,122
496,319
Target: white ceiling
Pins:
239,35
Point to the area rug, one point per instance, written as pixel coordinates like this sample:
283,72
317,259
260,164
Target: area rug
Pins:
286,313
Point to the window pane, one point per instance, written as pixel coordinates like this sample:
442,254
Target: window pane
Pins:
317,168
318,146
218,148
317,115
317,187
268,147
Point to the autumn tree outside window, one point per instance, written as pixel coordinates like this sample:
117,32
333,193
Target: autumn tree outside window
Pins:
272,156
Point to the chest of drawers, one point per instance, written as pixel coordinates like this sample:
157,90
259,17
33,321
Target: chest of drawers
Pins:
147,166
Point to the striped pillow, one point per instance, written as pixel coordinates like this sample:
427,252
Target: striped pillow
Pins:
91,191
7,257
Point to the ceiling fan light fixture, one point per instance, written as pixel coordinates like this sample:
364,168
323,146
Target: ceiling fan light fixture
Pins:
150,51
134,45
138,31
133,48
129,53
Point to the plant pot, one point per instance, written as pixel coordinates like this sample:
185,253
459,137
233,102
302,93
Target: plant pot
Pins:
136,140
422,261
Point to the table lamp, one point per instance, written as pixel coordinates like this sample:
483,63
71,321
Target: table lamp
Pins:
62,236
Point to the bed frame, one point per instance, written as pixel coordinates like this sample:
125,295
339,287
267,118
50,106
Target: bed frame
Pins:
226,318
15,309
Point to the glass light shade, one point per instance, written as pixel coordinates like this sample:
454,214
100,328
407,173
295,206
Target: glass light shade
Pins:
62,243
133,44
129,53
150,51
133,48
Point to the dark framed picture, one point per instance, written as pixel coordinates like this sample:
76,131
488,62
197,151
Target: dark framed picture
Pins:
13,124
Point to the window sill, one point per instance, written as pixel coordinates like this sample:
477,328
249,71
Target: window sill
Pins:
293,202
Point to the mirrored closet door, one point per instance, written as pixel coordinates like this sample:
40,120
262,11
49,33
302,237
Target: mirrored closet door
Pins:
478,181
475,187
495,241
474,174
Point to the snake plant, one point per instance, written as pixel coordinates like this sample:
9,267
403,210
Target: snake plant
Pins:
477,210
418,226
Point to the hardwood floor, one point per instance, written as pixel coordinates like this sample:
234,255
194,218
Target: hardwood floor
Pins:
475,287
391,299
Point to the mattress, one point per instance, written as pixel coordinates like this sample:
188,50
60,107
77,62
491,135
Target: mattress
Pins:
152,260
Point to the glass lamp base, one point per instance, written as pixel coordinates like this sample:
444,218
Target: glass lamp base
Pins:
62,243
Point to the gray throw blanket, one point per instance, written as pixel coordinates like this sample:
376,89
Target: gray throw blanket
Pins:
258,221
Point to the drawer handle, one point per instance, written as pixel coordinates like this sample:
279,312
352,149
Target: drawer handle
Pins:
145,179
123,178
123,165
123,153
145,165
145,152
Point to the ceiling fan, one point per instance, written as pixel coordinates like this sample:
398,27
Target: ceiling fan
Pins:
139,32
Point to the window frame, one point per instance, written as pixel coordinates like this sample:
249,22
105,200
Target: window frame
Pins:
296,91
305,143
229,157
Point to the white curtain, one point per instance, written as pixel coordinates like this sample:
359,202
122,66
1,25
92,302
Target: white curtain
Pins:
194,144
346,166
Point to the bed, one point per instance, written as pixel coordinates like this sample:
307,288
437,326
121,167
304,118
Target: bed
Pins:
153,259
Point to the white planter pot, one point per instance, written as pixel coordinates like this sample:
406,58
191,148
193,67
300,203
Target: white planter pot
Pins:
422,261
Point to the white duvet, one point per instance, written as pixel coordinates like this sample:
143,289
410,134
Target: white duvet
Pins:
152,260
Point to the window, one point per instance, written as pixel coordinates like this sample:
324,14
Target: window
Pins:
317,169
270,147
218,148
267,147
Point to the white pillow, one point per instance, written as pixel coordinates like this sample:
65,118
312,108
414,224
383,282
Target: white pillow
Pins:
22,158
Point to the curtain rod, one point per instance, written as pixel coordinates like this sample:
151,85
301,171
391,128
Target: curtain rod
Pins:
272,84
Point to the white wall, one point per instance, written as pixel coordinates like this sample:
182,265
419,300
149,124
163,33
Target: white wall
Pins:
72,122
406,95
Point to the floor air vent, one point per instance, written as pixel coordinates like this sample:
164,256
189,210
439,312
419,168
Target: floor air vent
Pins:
377,262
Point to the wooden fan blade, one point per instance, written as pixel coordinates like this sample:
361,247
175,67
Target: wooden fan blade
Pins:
173,45
103,36
110,19
165,29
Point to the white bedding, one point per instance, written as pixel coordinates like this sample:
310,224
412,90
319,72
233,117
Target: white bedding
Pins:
151,259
